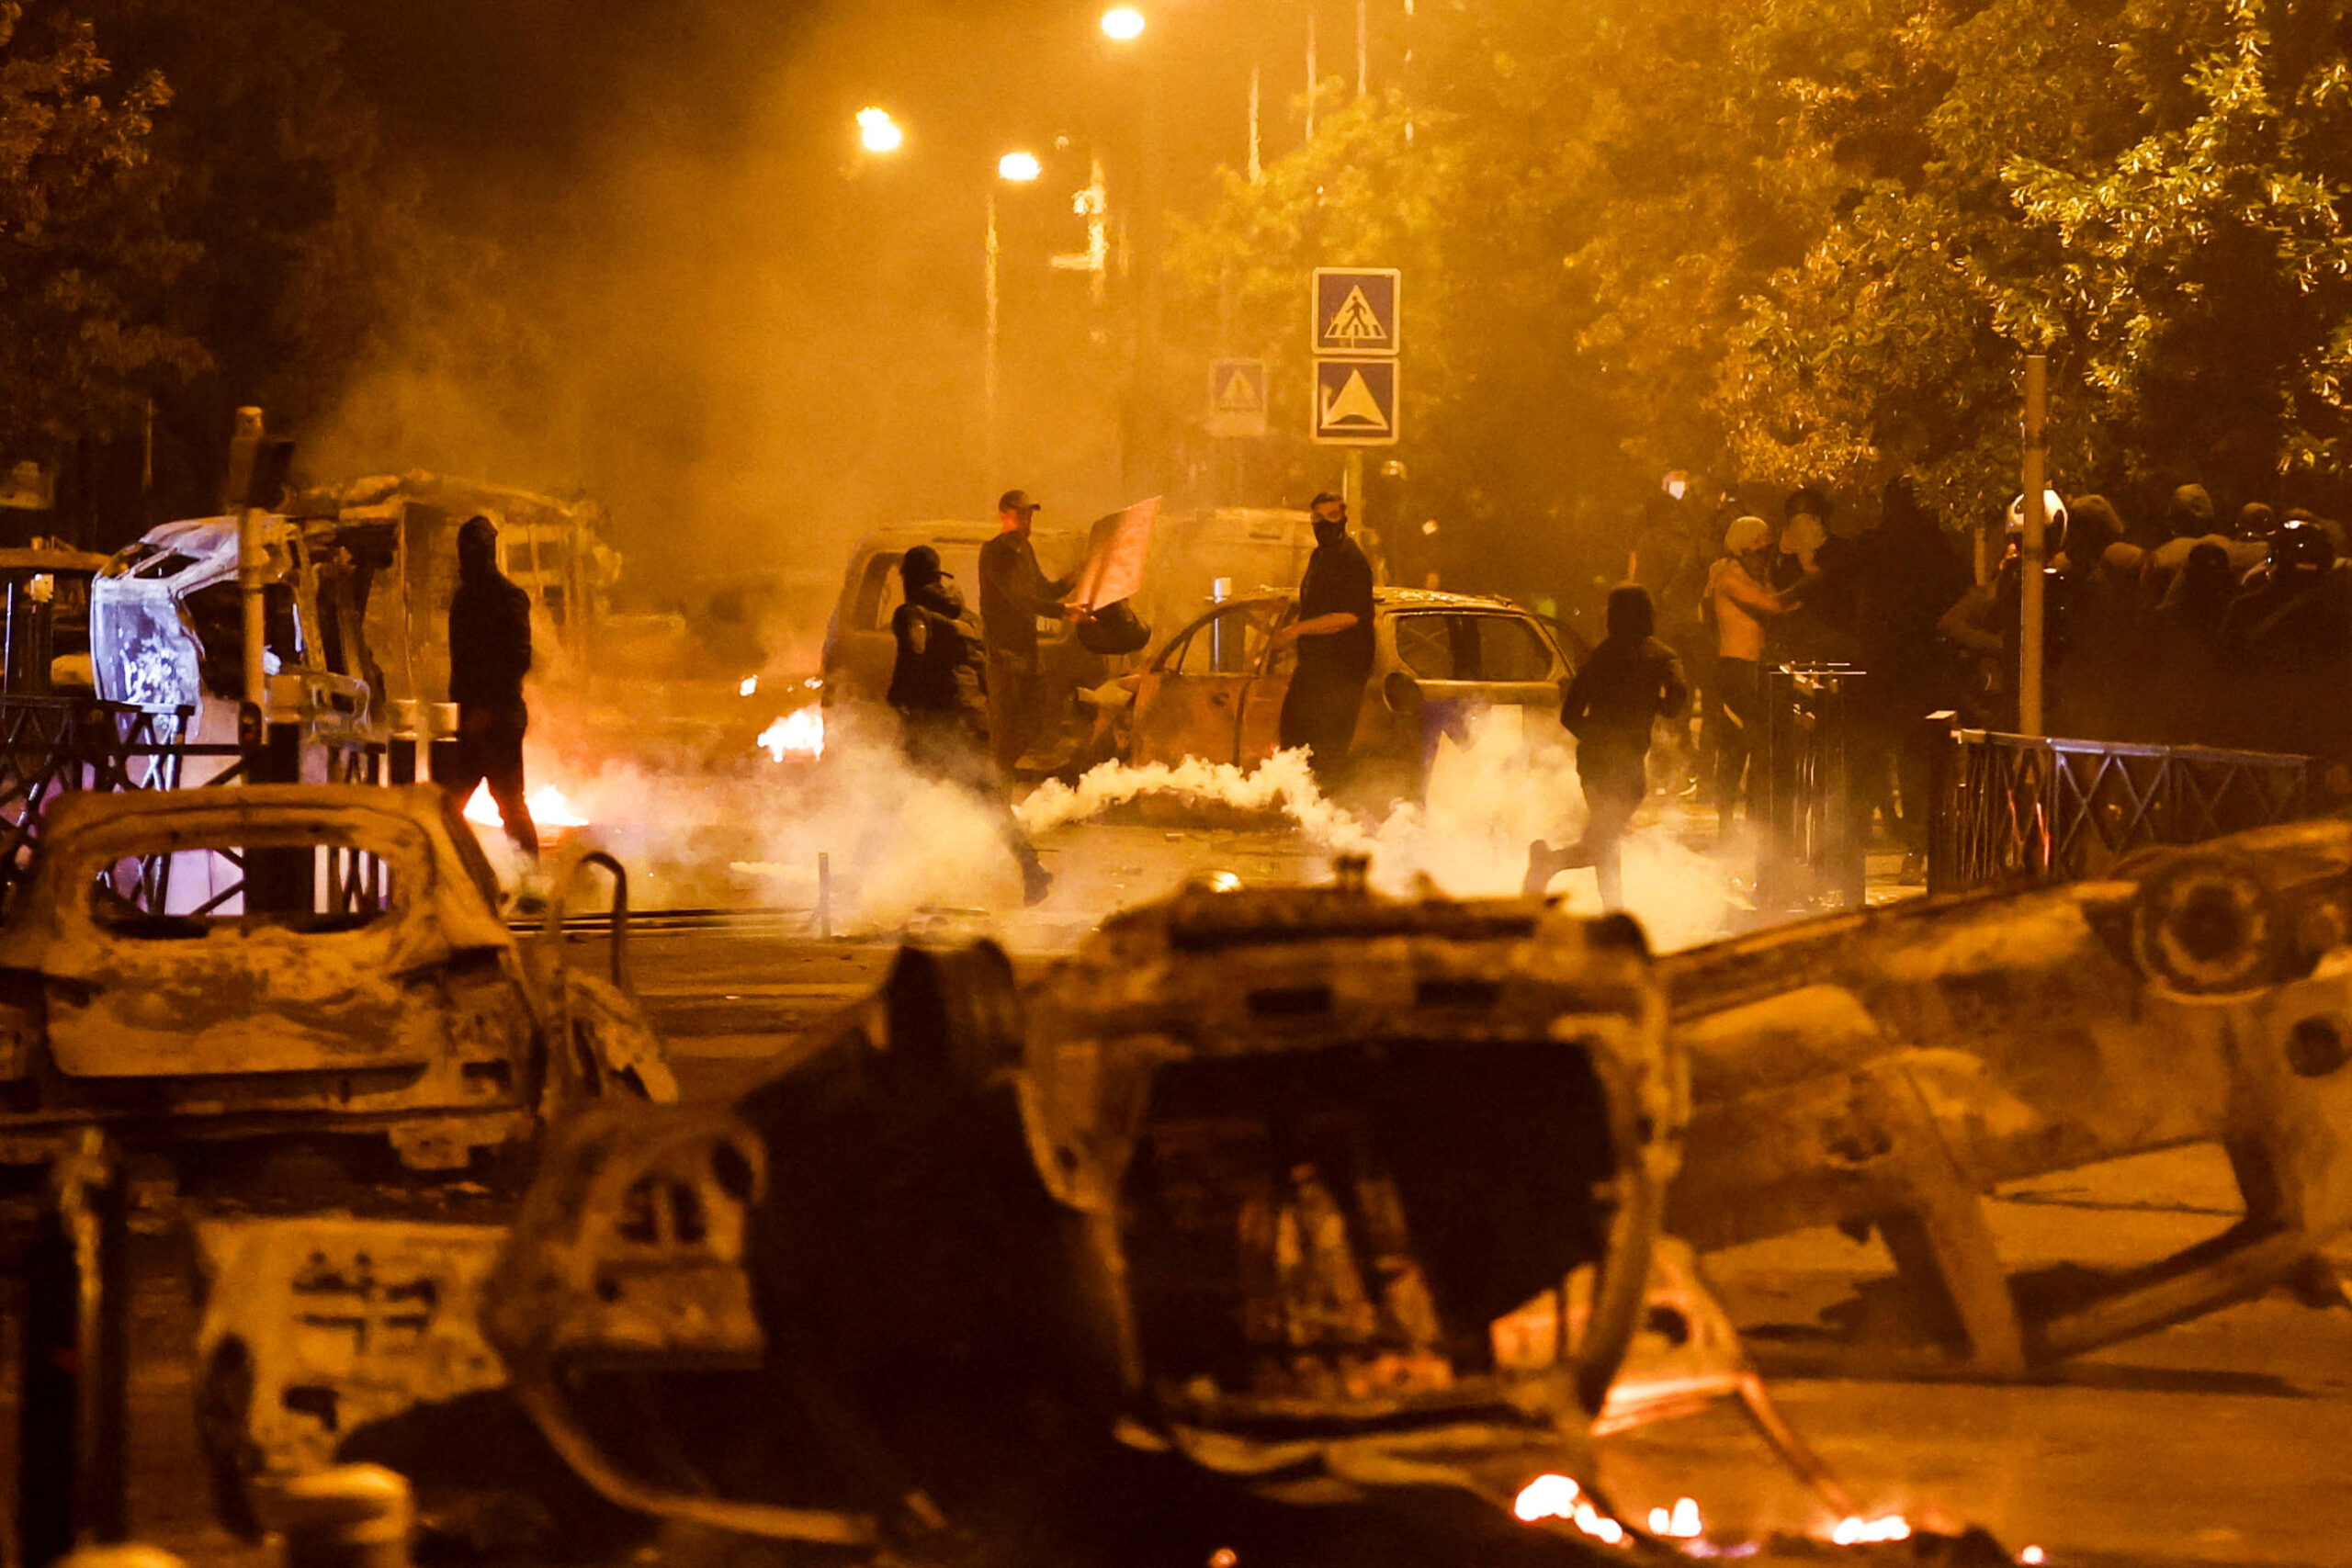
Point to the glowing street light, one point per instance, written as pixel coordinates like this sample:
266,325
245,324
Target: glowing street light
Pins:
1123,24
877,132
1019,167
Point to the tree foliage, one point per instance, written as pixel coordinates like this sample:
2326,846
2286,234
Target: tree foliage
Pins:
1812,238
86,266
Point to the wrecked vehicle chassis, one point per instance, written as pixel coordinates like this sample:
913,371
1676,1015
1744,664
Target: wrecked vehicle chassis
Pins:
1889,1070
308,959
1240,1193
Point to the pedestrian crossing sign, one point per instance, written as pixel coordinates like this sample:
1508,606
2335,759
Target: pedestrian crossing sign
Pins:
1355,311
1237,397
1355,403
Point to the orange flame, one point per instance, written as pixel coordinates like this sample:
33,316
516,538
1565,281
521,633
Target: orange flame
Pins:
799,733
549,808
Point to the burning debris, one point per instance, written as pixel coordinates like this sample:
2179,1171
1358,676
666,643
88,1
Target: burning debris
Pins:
800,733
550,807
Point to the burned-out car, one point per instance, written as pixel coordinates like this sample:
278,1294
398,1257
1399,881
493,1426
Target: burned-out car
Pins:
1247,1206
290,958
1214,689
168,628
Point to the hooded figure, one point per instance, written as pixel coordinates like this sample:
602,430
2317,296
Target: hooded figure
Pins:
1629,682
939,688
490,652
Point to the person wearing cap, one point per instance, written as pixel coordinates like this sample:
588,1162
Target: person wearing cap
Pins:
939,690
1743,607
1014,591
490,652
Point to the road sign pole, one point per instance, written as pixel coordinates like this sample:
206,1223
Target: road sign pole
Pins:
1352,486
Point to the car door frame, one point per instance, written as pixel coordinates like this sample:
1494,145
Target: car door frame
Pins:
1152,734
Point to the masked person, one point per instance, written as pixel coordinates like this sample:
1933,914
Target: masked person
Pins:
490,652
1014,590
1333,632
1628,684
939,690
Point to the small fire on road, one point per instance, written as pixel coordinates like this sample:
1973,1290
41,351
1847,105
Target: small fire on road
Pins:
549,808
800,733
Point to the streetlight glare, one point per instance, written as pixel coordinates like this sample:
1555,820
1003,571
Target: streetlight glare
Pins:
879,132
1124,23
1019,167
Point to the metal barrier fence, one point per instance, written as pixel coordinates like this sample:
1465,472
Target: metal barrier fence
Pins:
50,745
2014,809
1812,847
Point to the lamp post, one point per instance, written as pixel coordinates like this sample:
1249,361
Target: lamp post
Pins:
1014,168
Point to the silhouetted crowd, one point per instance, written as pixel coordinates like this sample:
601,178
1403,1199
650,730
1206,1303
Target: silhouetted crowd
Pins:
2171,628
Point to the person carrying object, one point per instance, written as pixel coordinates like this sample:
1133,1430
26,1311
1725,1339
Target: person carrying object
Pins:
1014,591
939,690
1629,682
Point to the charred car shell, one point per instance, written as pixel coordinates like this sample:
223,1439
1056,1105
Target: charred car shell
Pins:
1891,1069
383,995
1251,1181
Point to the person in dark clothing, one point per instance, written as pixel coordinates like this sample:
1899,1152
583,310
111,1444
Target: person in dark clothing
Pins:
1630,681
1014,591
939,690
2186,645
2290,642
1334,635
490,652
1911,575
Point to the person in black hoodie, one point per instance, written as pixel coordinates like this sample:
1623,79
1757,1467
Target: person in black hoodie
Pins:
490,652
1630,681
939,689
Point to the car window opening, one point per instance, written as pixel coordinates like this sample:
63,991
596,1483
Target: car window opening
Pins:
311,890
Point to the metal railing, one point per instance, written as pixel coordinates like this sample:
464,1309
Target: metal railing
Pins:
50,745
2011,808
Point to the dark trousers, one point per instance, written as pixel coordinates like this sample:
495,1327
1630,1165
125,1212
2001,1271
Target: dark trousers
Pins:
1320,713
949,747
1016,696
1737,716
490,750
1614,785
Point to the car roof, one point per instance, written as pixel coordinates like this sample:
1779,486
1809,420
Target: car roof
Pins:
949,531
1432,599
458,908
1401,599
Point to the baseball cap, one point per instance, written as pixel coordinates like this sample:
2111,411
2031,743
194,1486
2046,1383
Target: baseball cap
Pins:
1017,501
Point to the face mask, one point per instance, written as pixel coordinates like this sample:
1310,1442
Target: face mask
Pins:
1330,533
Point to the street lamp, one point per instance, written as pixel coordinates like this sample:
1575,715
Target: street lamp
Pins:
878,132
1014,168
1123,24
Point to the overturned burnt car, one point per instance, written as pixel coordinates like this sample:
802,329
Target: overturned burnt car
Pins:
303,959
1252,1199
1888,1071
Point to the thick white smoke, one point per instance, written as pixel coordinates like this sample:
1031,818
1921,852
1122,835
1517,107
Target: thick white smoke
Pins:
1486,802
905,849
